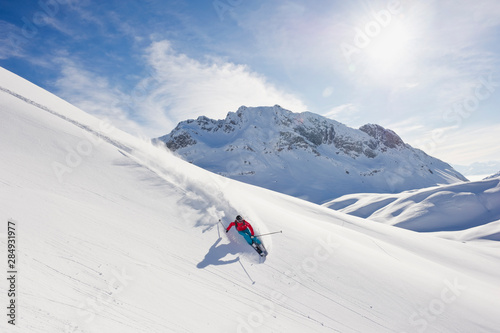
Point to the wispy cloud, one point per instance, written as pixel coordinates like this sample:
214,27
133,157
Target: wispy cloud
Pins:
347,113
12,41
95,95
189,88
468,146
406,128
176,88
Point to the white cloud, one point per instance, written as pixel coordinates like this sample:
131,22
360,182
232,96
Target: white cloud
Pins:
406,128
462,145
177,88
187,88
12,40
347,108
346,113
94,94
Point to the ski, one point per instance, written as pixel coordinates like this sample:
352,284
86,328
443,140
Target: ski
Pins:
261,250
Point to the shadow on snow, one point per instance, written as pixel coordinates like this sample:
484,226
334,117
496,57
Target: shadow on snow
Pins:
216,253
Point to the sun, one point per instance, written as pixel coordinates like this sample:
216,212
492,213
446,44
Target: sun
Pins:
388,48
391,53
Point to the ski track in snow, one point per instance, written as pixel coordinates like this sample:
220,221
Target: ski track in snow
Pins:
183,184
74,122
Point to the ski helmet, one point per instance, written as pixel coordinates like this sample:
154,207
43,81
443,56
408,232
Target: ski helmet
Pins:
239,218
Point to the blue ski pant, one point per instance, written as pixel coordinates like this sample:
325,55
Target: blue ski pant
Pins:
246,234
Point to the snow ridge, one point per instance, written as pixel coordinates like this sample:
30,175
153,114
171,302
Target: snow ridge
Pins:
496,175
467,211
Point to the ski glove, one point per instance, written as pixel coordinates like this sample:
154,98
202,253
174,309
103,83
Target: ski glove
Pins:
227,231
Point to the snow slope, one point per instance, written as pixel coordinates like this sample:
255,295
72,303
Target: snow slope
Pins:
305,154
116,235
467,212
495,175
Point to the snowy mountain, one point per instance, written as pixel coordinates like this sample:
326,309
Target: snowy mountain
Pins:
496,175
478,170
470,210
113,234
306,155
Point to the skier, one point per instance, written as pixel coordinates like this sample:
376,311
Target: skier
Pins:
244,229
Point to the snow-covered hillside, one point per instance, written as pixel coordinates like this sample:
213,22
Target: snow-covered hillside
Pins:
468,211
116,235
495,175
306,155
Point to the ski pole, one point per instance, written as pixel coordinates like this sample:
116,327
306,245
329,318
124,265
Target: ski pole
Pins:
276,232
222,224
223,227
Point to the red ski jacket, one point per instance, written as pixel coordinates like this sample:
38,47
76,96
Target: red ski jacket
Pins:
240,226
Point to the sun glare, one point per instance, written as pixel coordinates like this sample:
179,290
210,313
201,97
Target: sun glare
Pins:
389,48
390,54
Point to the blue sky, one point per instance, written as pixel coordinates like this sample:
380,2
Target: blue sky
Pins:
429,70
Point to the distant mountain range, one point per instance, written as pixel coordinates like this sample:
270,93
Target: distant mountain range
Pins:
305,154
479,170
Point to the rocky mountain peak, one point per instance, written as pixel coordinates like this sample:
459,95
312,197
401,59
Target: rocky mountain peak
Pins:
385,136
305,154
